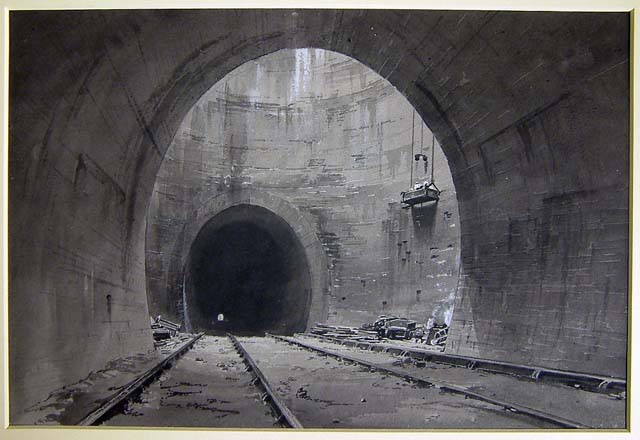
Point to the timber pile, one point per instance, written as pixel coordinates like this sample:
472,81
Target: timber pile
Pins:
342,332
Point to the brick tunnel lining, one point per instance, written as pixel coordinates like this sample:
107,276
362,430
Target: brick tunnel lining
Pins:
247,264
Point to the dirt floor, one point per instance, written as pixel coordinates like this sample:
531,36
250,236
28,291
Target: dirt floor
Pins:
68,405
210,387
588,408
324,392
207,387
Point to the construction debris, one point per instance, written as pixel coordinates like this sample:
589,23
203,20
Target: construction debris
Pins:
388,327
438,335
302,393
163,329
335,331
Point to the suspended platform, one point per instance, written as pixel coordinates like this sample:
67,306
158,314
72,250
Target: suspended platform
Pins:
421,194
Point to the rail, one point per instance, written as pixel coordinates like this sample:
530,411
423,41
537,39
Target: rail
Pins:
590,382
285,414
99,413
562,422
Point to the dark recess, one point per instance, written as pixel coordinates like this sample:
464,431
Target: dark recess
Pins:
247,264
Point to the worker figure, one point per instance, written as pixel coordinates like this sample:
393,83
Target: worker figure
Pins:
427,330
419,334
379,326
380,331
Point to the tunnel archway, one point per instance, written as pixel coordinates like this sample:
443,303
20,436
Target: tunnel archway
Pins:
522,157
348,189
247,273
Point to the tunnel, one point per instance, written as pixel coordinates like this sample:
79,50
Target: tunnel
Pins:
247,274
293,152
535,129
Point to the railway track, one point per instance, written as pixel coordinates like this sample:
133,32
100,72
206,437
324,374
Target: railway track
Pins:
451,388
591,382
209,386
308,385
104,410
279,373
574,400
285,416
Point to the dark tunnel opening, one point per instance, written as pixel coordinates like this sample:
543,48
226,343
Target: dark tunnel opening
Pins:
247,274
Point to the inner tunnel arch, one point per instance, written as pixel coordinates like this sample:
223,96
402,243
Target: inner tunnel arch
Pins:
247,266
208,76
235,137
284,230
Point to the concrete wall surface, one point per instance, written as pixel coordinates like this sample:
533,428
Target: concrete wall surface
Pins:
531,111
329,136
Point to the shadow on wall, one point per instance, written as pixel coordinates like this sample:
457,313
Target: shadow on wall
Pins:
424,221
